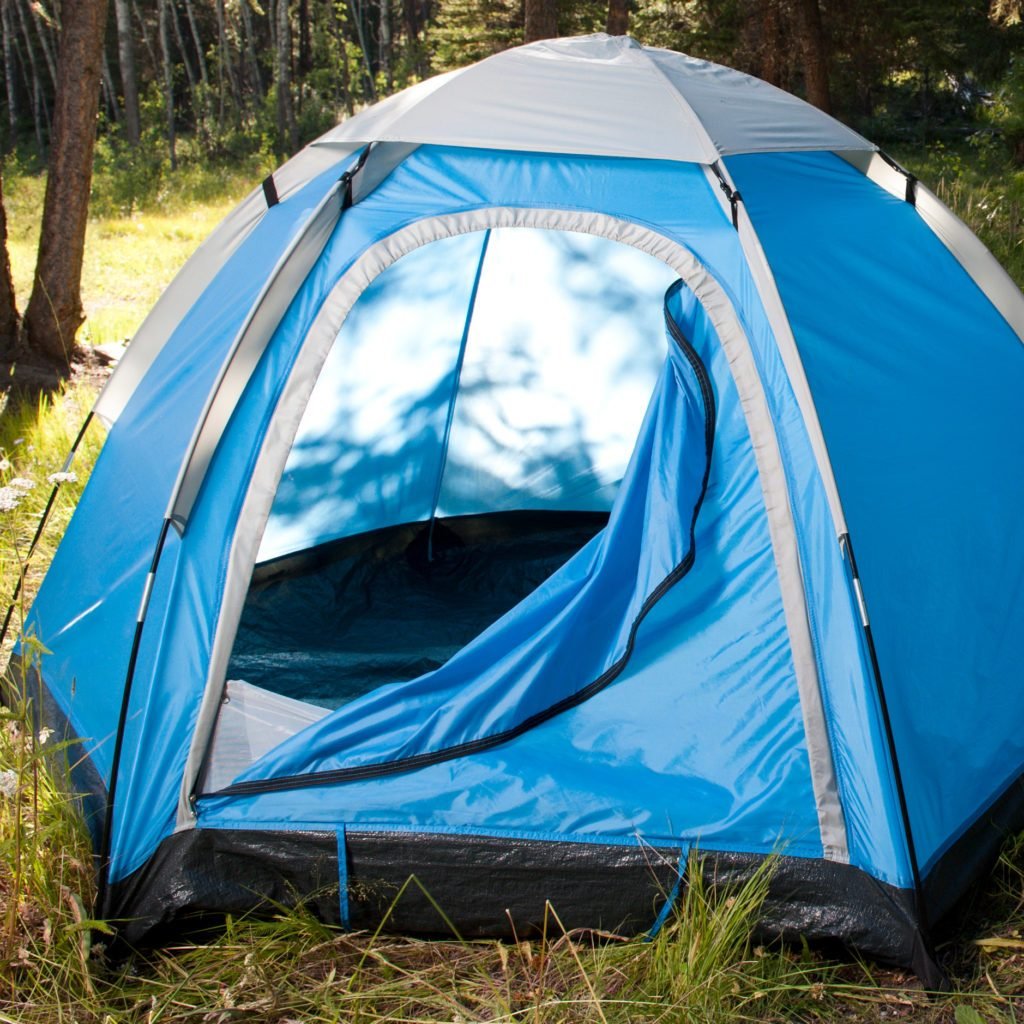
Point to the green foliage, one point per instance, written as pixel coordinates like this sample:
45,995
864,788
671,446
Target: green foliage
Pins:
980,184
465,31
1006,114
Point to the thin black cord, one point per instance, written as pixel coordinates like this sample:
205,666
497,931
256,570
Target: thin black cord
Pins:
103,887
39,530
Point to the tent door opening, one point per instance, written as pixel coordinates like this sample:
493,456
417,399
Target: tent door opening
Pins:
465,438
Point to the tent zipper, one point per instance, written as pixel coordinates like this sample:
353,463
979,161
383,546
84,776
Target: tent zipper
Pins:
380,769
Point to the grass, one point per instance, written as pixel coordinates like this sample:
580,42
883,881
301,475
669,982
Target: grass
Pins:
132,250
701,967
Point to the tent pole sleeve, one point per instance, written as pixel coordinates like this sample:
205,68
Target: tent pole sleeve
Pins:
455,394
248,345
922,910
43,520
103,889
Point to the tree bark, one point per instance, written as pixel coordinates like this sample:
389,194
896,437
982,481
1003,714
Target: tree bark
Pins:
812,43
54,311
345,82
305,39
541,20
357,17
9,319
193,81
287,130
168,70
44,43
384,41
13,110
40,110
250,50
110,93
618,18
154,62
126,62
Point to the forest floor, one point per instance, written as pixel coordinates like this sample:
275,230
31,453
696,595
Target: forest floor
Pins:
701,967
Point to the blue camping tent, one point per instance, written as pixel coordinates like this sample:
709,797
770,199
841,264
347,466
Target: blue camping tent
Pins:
481,501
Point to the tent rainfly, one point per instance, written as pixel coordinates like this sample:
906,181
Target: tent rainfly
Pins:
480,502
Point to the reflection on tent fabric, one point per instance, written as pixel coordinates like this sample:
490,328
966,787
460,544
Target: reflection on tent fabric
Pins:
563,328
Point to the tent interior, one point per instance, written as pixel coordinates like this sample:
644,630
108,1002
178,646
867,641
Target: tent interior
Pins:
465,438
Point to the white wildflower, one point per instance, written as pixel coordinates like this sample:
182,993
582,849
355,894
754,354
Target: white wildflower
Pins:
44,735
5,464
10,499
62,478
8,783
21,483
18,440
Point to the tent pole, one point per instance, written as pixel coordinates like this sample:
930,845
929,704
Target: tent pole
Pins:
43,520
922,910
454,395
103,887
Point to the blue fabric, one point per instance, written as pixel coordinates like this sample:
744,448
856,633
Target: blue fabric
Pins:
564,327
676,746
700,738
86,608
566,634
917,381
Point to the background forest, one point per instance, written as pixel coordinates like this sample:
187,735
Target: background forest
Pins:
198,99
202,79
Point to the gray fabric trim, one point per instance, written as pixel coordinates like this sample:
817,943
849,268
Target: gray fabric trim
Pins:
768,291
251,722
249,344
197,273
968,250
284,424
819,749
380,162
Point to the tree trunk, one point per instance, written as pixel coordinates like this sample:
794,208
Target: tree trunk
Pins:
154,62
305,39
357,17
384,42
190,13
345,82
165,54
618,18
541,20
287,130
44,43
13,110
812,43
193,81
250,50
126,62
772,45
40,110
110,93
225,67
54,311
9,319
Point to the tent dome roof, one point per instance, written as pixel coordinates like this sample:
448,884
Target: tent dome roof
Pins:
600,95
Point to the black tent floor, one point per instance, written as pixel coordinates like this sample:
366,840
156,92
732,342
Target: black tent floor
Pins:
330,624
